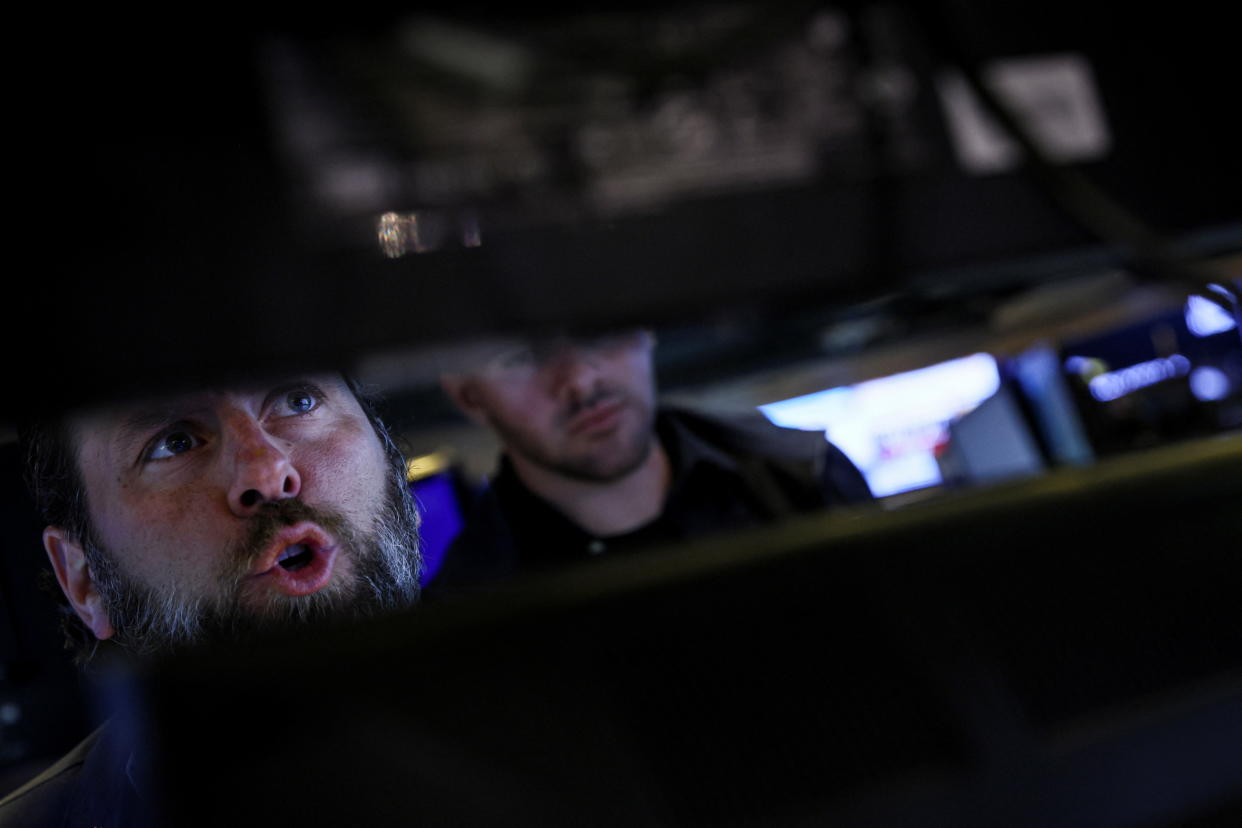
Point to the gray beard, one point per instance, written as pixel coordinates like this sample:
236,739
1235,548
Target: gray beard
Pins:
386,569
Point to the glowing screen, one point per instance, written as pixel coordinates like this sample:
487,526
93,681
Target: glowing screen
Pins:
891,427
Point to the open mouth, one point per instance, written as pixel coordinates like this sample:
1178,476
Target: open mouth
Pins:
298,561
296,557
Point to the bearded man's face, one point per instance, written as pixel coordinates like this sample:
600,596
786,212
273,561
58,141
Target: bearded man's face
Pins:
217,511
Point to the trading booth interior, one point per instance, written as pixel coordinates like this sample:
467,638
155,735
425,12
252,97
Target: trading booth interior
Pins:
801,199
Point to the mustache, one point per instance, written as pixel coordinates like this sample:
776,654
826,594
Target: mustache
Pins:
275,516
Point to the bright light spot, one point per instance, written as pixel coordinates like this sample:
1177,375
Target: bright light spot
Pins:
1206,318
417,468
422,232
392,237
1085,367
890,427
1116,384
1209,384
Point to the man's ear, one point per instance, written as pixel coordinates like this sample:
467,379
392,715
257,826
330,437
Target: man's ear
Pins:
76,581
465,396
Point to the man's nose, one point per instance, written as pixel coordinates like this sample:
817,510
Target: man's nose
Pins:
263,470
575,373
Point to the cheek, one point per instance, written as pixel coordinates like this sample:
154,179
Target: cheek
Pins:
156,534
534,403
633,372
503,406
348,473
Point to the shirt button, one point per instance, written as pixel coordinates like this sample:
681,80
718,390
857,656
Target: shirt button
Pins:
595,547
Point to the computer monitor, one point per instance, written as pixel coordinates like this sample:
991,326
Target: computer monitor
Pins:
892,427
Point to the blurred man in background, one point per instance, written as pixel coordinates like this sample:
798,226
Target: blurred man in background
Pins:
202,517
592,464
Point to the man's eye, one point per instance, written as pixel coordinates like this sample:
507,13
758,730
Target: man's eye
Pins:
172,444
301,401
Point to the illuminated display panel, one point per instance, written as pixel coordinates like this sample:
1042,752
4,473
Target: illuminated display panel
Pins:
891,427
442,519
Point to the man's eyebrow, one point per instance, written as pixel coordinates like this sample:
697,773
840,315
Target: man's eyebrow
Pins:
154,414
151,416
321,384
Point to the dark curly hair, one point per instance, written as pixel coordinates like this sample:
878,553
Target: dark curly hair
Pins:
55,484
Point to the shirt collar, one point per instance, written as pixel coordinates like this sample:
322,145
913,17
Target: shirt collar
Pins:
686,449
688,453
